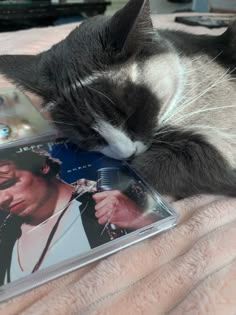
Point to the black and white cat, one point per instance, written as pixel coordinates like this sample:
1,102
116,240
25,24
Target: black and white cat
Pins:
165,100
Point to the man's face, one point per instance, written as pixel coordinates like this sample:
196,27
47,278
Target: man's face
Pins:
21,192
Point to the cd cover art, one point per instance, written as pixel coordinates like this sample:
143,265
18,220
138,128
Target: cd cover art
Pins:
59,203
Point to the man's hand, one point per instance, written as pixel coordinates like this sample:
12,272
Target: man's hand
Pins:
114,207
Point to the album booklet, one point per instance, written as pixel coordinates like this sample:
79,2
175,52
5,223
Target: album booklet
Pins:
62,208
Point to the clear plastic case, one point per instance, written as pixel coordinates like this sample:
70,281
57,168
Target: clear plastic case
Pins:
20,121
62,208
66,208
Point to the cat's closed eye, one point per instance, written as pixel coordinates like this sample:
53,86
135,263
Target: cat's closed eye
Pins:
93,141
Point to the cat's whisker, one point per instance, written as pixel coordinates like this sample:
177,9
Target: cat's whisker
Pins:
209,127
224,133
206,90
198,58
99,92
228,80
199,128
158,133
205,64
186,103
212,85
155,143
167,130
202,110
186,98
197,97
199,68
60,122
85,99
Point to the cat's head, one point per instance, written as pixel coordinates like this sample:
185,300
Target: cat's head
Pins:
104,84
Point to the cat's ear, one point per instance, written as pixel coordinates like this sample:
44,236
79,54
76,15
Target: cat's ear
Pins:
228,41
129,26
25,71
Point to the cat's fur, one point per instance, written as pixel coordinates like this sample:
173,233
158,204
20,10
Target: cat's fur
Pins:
164,99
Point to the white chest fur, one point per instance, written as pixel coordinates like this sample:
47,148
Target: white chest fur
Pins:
206,103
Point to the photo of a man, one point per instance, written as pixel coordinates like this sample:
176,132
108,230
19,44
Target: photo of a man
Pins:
46,220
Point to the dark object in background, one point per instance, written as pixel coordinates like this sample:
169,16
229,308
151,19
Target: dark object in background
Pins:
180,1
18,16
207,21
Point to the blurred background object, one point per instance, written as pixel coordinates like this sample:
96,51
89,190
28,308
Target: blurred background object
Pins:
204,6
180,1
222,6
200,5
22,14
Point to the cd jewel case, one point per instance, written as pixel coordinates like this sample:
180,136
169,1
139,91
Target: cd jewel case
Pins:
20,121
62,208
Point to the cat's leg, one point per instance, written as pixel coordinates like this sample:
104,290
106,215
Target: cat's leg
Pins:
184,167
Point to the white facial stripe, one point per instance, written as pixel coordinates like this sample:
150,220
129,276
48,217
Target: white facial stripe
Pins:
134,72
130,71
175,98
163,75
120,145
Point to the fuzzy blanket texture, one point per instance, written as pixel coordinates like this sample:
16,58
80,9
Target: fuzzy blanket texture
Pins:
190,269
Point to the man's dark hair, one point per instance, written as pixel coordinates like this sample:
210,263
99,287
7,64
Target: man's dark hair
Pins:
31,161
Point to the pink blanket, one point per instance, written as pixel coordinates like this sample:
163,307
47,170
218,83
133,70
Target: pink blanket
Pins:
188,270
